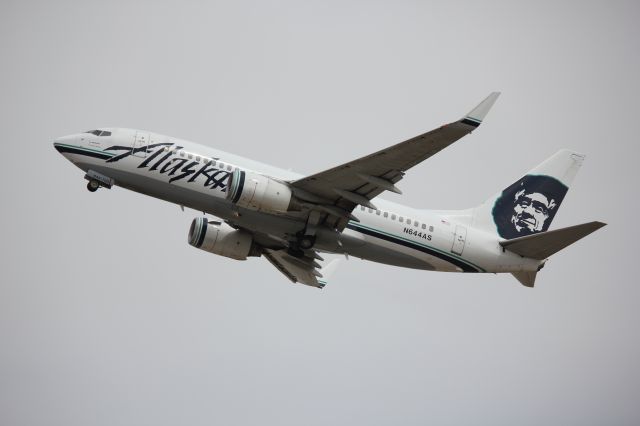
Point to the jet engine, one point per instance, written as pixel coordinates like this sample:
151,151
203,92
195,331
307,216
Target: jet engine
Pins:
222,239
254,191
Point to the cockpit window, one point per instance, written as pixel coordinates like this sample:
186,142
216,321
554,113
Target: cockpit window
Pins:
99,132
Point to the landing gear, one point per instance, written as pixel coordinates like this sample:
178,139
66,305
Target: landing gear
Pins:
93,185
300,243
306,238
305,242
97,180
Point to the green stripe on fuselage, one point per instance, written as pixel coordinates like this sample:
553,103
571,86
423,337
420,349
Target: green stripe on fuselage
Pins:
356,224
81,148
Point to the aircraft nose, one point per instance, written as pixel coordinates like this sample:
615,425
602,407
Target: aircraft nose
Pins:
63,143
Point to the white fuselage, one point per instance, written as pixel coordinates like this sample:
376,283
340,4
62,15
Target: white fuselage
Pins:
181,172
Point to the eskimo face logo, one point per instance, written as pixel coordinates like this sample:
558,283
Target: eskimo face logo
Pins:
528,206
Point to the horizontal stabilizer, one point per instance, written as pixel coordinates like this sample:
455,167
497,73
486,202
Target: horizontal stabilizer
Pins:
542,245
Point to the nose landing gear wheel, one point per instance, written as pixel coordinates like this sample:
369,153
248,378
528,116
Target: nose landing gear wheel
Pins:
93,185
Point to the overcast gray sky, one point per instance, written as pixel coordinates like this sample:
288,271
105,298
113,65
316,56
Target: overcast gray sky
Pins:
108,317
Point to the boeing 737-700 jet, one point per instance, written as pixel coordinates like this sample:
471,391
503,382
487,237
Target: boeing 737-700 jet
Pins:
293,220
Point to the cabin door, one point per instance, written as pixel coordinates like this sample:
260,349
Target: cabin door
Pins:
459,239
140,144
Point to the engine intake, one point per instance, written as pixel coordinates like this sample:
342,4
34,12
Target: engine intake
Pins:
258,192
221,239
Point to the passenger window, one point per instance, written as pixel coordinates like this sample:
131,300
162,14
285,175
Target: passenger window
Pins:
431,229
229,167
409,221
370,210
362,208
378,212
386,214
190,156
181,153
221,165
401,219
415,223
393,217
424,226
197,158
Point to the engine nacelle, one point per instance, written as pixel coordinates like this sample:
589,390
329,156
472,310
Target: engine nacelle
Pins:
258,192
222,239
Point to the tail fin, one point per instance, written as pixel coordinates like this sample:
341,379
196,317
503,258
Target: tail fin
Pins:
529,205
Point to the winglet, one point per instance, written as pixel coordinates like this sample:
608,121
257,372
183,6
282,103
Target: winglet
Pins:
475,117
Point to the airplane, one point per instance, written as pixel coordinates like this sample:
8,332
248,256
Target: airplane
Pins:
293,220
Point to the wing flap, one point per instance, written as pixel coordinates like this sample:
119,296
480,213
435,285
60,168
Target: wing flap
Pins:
304,270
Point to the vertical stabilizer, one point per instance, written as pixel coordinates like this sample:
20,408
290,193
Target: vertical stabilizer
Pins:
529,205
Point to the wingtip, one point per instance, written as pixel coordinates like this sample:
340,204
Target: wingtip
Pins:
480,112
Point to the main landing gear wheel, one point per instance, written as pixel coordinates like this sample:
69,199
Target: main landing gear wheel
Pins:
306,241
93,185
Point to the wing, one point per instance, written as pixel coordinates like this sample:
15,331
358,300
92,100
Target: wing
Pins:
337,191
303,269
